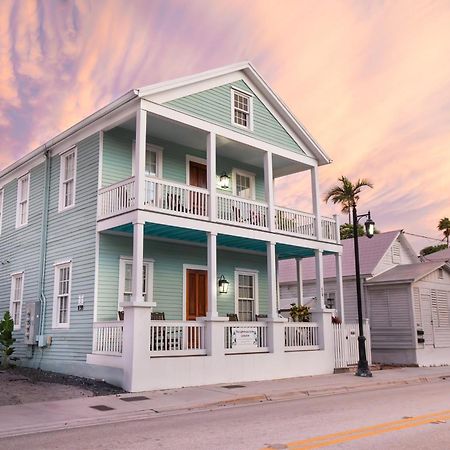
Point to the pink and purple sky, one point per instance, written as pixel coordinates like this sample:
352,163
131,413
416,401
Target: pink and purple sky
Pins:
369,80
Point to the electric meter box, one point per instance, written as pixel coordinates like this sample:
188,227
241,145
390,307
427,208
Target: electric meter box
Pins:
32,319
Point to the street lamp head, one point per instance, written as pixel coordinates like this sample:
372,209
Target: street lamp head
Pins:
369,226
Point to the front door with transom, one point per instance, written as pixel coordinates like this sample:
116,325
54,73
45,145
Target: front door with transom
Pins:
196,293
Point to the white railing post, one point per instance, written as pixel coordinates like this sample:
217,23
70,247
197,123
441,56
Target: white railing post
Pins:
268,185
316,201
138,261
272,279
212,174
212,275
139,156
298,266
319,279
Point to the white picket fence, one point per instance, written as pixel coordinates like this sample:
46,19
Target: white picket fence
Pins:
346,344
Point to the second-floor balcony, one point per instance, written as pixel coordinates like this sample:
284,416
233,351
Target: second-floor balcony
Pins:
179,199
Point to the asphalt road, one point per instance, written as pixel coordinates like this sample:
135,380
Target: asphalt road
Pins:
410,417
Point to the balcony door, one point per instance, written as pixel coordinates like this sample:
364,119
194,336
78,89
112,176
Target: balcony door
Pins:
198,178
196,293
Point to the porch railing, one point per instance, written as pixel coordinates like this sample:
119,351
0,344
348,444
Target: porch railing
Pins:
117,198
245,337
177,338
108,338
329,229
176,198
241,211
295,222
301,336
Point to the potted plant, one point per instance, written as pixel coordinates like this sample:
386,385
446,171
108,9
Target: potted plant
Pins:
6,339
300,313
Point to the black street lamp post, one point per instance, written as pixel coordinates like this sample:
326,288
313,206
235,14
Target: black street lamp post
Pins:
363,366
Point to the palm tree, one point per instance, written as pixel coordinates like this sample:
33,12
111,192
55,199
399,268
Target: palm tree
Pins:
346,193
444,226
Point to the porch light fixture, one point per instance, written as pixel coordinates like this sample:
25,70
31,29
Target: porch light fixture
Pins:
363,365
224,181
223,285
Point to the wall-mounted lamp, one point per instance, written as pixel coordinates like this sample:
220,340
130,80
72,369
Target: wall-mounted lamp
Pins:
224,181
223,285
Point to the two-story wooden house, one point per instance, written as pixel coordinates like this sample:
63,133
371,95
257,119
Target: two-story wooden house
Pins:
175,179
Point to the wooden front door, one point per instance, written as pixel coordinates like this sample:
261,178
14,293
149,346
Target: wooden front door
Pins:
198,175
196,293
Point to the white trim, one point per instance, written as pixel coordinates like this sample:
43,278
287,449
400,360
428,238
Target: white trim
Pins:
55,317
19,194
255,274
101,140
62,262
159,158
233,91
235,171
71,151
96,273
185,268
2,201
13,277
197,160
149,264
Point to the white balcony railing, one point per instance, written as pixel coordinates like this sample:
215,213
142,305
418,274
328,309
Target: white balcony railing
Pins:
241,211
295,222
301,336
245,337
177,338
329,229
108,338
177,198
117,198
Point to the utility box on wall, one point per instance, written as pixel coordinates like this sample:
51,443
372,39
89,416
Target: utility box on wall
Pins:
32,316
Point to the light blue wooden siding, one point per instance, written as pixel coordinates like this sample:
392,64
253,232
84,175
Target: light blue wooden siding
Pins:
20,249
71,235
168,274
117,160
214,105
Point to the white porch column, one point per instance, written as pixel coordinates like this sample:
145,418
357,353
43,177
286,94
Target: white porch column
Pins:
298,266
212,276
319,279
138,261
212,174
339,282
268,185
316,201
272,280
139,157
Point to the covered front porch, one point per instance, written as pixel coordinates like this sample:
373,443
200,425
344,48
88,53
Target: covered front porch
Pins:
190,340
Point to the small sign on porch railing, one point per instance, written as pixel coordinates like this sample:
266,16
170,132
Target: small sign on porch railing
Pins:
244,338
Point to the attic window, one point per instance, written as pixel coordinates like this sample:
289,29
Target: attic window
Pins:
395,249
241,109
441,273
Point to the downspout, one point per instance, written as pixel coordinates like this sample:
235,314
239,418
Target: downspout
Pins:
43,247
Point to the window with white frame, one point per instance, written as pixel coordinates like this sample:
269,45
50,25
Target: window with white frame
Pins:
67,179
246,294
62,293
23,200
241,109
126,281
2,194
244,184
16,298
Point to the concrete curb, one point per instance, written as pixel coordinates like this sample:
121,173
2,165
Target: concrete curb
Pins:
148,413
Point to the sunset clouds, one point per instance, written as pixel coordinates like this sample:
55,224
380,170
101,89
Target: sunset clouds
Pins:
370,80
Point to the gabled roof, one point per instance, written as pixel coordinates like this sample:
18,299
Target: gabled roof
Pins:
407,272
443,255
251,73
371,251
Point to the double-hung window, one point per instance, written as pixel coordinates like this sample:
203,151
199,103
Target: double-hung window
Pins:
23,200
2,196
62,293
244,184
241,109
67,179
246,294
16,298
126,281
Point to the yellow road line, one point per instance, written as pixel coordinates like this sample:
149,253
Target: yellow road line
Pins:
359,433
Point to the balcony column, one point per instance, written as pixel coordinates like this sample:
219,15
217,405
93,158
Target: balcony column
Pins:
319,280
272,279
212,276
268,185
316,201
212,175
339,282
298,266
139,157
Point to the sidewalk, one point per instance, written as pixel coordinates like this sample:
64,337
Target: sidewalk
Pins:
61,414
